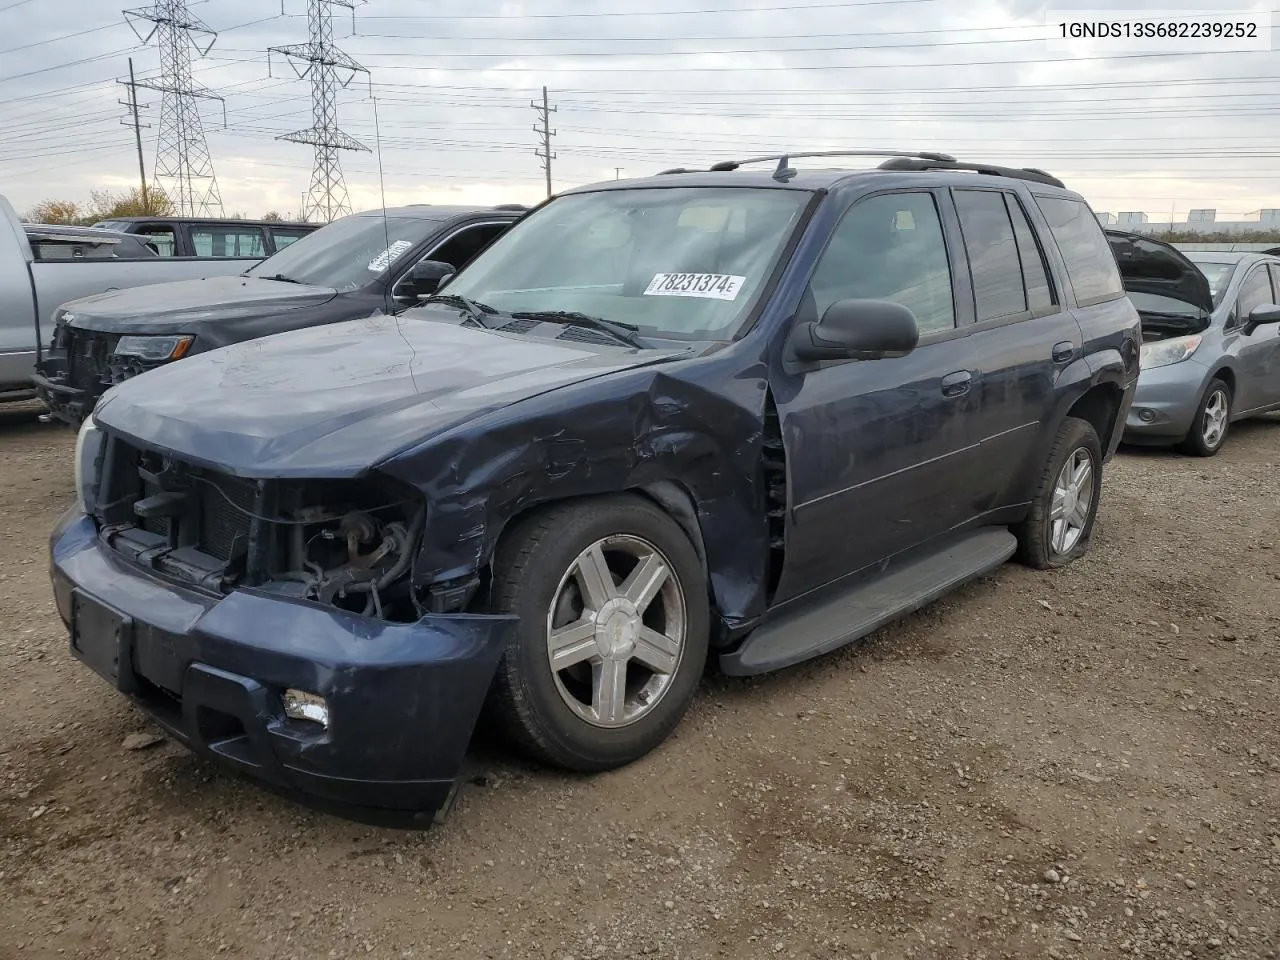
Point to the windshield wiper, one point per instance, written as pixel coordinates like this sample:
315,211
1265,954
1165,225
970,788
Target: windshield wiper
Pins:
624,332
472,310
279,276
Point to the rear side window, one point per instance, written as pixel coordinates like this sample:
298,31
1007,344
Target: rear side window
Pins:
1090,262
1039,293
993,254
220,241
889,247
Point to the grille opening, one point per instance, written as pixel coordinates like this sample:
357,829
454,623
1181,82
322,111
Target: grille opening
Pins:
88,358
347,544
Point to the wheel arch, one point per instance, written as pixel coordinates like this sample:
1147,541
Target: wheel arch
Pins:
1099,406
671,496
1227,374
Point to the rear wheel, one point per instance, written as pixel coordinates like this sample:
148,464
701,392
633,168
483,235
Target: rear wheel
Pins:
1213,418
612,635
1065,504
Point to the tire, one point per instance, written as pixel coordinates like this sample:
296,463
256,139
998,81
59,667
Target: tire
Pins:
1042,543
1209,429
546,571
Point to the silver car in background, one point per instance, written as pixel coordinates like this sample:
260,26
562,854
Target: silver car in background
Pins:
1211,341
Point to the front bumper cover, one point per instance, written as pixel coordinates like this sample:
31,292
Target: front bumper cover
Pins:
1165,402
403,698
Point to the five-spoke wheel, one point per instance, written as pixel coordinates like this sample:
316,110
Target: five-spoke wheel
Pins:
611,601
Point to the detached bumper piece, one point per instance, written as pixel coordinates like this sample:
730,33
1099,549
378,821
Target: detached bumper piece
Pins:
224,675
67,403
75,372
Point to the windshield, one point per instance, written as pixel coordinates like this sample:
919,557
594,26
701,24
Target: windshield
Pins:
1218,275
346,254
681,263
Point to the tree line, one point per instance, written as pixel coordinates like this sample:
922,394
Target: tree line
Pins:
108,205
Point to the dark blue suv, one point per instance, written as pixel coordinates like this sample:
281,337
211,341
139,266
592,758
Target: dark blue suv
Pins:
748,415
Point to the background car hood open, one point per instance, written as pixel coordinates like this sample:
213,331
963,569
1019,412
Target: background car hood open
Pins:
1150,266
191,306
333,401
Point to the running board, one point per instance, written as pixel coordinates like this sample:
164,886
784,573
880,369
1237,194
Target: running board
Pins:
821,626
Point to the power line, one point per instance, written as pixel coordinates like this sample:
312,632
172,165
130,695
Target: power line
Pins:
132,104
327,198
543,129
182,153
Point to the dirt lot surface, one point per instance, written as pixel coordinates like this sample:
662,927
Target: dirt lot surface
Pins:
1079,764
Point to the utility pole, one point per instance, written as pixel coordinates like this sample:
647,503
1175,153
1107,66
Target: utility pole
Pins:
543,129
617,173
132,104
328,67
182,155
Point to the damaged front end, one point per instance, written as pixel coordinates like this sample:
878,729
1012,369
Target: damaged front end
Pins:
219,603
80,365
347,544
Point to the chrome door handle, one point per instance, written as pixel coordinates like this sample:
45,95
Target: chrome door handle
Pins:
956,384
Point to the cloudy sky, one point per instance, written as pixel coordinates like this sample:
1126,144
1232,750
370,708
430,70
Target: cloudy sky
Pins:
646,85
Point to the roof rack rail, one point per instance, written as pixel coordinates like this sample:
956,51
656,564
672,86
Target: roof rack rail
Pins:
510,206
991,169
785,172
664,173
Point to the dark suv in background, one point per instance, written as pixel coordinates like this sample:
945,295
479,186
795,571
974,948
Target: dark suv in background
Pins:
746,414
356,266
192,237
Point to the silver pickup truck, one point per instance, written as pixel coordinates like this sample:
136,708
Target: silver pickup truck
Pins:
42,268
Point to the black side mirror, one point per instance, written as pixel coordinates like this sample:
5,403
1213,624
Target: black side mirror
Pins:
857,330
1261,314
428,276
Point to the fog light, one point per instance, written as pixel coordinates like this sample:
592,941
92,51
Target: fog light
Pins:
300,705
1146,416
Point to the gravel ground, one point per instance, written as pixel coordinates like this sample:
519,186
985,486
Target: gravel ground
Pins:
1077,764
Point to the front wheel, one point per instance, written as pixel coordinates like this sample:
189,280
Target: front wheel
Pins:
1065,504
613,630
1213,417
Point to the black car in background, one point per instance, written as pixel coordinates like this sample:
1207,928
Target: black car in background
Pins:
357,266
205,237
740,413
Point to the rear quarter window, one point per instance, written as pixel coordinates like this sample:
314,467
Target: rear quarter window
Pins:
1091,266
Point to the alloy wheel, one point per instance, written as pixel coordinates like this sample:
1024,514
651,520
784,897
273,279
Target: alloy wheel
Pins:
616,630
1214,425
1073,494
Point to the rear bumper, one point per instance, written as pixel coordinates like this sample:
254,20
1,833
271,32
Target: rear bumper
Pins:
403,699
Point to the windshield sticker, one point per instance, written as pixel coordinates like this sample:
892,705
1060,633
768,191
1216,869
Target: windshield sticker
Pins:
385,258
711,286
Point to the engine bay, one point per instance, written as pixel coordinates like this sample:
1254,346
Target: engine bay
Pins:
346,544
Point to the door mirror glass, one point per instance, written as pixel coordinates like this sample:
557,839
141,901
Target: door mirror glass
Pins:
857,330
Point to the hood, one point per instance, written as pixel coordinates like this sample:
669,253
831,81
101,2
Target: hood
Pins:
1151,267
333,401
189,305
